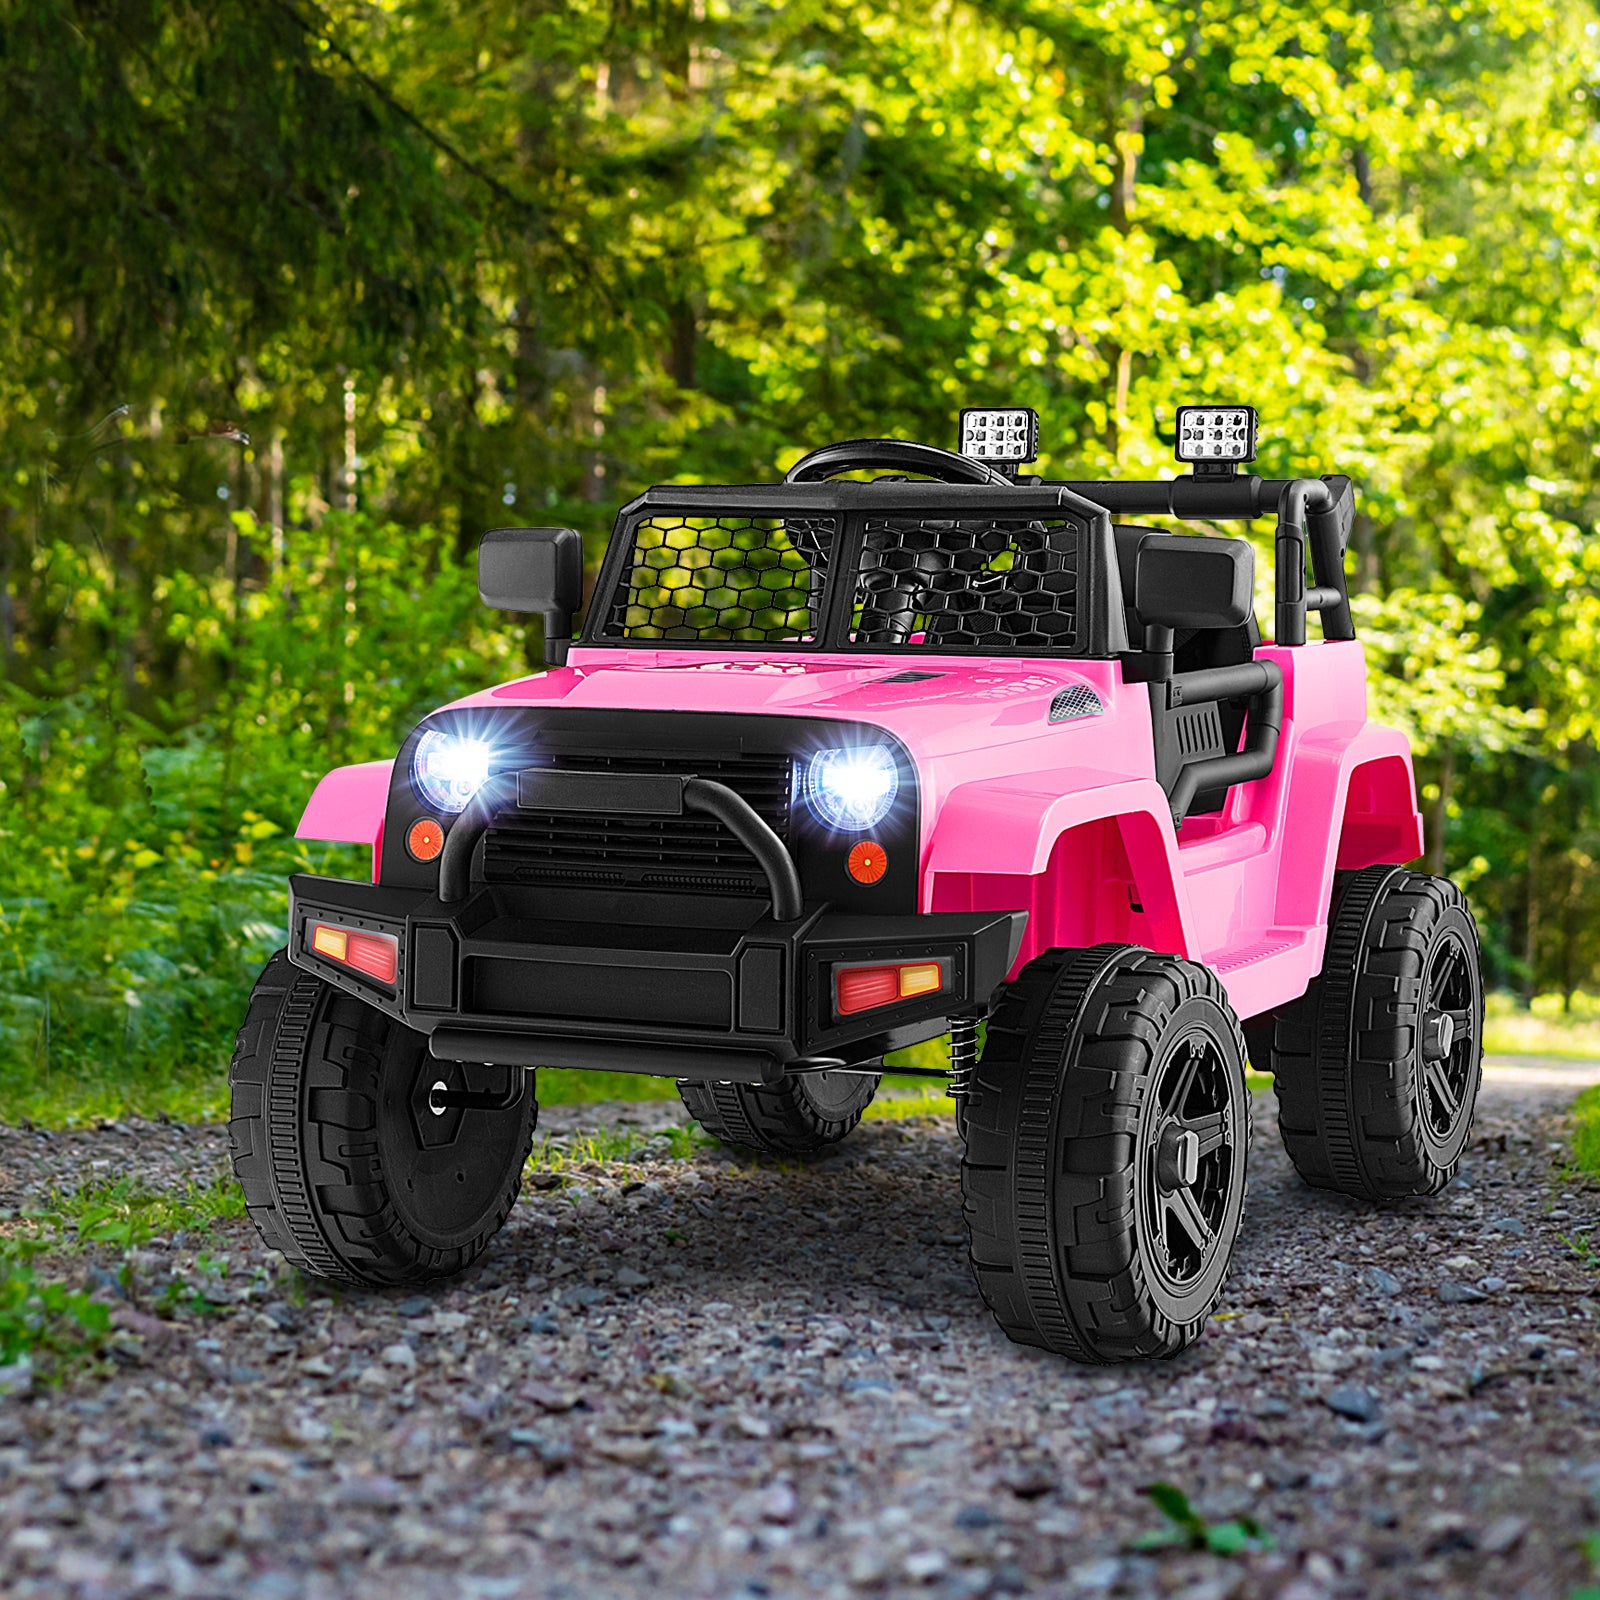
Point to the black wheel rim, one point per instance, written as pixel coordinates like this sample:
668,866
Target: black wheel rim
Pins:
836,1094
1190,1150
1447,1046
446,1170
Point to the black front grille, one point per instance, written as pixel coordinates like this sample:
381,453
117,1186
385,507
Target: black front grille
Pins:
688,854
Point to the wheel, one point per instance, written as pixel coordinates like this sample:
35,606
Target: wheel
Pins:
798,1117
348,1164
1107,1134
1377,1066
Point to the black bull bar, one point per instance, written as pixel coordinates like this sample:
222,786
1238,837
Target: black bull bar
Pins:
490,976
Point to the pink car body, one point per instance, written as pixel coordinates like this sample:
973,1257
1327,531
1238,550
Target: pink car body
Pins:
1063,820
837,767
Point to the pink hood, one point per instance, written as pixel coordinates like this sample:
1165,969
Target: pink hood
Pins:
968,719
953,706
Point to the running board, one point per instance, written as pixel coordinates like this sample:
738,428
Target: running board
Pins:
1276,966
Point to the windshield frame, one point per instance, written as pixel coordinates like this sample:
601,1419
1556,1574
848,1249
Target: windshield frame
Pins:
1100,632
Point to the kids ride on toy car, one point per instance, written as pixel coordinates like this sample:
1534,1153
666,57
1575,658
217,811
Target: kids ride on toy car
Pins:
838,765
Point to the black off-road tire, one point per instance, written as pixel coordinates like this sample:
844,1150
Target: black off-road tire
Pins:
1363,1105
344,1166
1097,1064
801,1116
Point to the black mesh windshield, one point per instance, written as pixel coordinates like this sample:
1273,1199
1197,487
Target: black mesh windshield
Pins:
917,567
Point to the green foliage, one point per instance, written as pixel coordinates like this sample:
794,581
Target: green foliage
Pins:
122,1215
1236,1537
560,1153
146,867
41,1318
295,300
1590,1548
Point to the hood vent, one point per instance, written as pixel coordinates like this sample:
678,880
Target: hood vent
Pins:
1078,701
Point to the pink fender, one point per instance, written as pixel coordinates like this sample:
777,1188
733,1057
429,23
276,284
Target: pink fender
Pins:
347,807
1359,794
1098,863
1091,855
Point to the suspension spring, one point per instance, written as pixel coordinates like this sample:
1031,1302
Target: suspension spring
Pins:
963,1055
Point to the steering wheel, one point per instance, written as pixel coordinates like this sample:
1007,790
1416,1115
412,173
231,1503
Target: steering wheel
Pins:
895,455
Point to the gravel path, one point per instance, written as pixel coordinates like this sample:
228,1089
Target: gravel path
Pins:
720,1378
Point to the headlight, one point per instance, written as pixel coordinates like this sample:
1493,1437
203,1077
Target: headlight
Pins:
852,789
448,770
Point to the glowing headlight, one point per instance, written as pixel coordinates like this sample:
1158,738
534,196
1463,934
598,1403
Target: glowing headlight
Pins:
852,789
448,770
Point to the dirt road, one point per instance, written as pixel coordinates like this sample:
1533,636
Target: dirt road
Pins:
714,1377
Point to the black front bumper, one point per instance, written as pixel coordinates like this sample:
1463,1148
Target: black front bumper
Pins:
494,978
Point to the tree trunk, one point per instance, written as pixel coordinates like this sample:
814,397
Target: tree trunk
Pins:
1126,138
683,335
8,620
1439,813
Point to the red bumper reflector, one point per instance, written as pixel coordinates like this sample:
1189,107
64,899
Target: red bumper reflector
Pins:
863,988
375,954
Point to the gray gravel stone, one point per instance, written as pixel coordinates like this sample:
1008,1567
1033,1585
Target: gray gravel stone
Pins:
1353,1401
805,1396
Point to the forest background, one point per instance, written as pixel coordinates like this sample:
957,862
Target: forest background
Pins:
296,301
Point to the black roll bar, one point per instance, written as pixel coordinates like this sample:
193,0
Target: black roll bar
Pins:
1314,511
1261,683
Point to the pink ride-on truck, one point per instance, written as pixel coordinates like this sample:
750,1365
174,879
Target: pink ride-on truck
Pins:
841,764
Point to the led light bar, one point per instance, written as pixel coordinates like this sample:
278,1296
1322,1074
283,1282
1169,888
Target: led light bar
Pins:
866,988
1008,434
1224,434
377,955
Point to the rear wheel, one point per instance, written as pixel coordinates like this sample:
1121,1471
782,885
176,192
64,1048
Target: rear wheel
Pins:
351,1163
801,1116
1377,1066
1106,1136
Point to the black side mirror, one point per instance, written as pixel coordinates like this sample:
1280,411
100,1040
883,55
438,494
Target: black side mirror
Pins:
1185,581
535,569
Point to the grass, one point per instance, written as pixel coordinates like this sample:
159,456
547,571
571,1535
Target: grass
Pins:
561,1153
1186,1529
1543,1027
43,1323
121,1215
196,1092
1586,1132
46,1326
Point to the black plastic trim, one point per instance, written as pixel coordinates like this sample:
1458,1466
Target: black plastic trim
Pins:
764,992
538,733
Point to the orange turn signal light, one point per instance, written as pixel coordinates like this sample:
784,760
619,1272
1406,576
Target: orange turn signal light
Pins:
425,839
867,861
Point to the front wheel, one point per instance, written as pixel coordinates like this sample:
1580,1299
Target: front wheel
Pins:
1106,1136
352,1161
